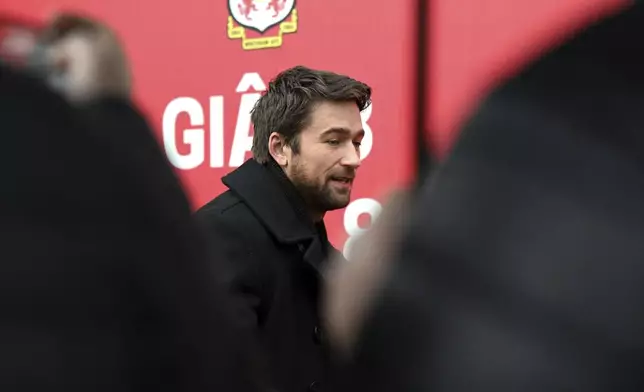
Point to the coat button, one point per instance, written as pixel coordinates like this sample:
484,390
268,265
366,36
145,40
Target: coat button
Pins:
317,335
315,386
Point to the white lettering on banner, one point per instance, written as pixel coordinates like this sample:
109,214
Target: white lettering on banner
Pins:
217,131
351,214
243,141
194,137
250,80
251,84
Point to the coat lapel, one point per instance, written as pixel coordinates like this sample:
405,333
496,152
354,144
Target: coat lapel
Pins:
262,191
315,254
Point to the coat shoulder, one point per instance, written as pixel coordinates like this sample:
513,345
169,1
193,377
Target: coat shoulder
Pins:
227,212
219,205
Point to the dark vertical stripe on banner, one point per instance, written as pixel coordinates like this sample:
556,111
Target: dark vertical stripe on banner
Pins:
421,99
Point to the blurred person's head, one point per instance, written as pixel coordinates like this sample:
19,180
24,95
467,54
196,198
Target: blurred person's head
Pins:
309,123
86,59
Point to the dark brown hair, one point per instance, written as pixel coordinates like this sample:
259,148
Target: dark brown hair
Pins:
287,103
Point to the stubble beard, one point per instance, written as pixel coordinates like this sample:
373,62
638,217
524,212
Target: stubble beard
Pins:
319,198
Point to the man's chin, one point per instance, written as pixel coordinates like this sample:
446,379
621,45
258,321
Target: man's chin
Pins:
339,203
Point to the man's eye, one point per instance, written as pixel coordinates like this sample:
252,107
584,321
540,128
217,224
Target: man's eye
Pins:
357,144
333,142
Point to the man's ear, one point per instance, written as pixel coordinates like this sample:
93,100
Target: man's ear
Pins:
278,149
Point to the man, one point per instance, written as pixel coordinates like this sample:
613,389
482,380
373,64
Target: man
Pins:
104,277
521,268
269,223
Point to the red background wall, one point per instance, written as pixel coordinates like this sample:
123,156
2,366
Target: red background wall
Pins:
181,50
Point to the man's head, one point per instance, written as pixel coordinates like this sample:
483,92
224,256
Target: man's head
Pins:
309,122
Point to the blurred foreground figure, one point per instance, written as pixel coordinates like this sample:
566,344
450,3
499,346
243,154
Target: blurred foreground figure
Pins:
104,285
523,266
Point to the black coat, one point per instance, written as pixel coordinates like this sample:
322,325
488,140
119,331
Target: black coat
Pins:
276,256
524,266
104,280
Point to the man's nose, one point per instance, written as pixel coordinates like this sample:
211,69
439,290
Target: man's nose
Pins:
351,157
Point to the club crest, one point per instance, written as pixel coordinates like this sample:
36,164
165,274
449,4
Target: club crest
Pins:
261,24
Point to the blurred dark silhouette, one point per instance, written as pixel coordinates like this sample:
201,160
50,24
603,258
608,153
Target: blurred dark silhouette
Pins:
522,266
105,280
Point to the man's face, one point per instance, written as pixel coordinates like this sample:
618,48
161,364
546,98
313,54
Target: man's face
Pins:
329,156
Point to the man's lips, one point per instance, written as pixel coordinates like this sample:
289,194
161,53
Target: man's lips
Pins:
345,180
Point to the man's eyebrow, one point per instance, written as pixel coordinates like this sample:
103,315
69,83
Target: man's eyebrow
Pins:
342,131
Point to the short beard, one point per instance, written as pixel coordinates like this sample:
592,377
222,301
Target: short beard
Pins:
318,199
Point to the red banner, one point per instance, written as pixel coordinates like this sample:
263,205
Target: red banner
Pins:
478,43
199,67
198,72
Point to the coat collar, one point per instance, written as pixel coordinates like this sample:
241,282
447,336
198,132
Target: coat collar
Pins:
271,201
274,200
